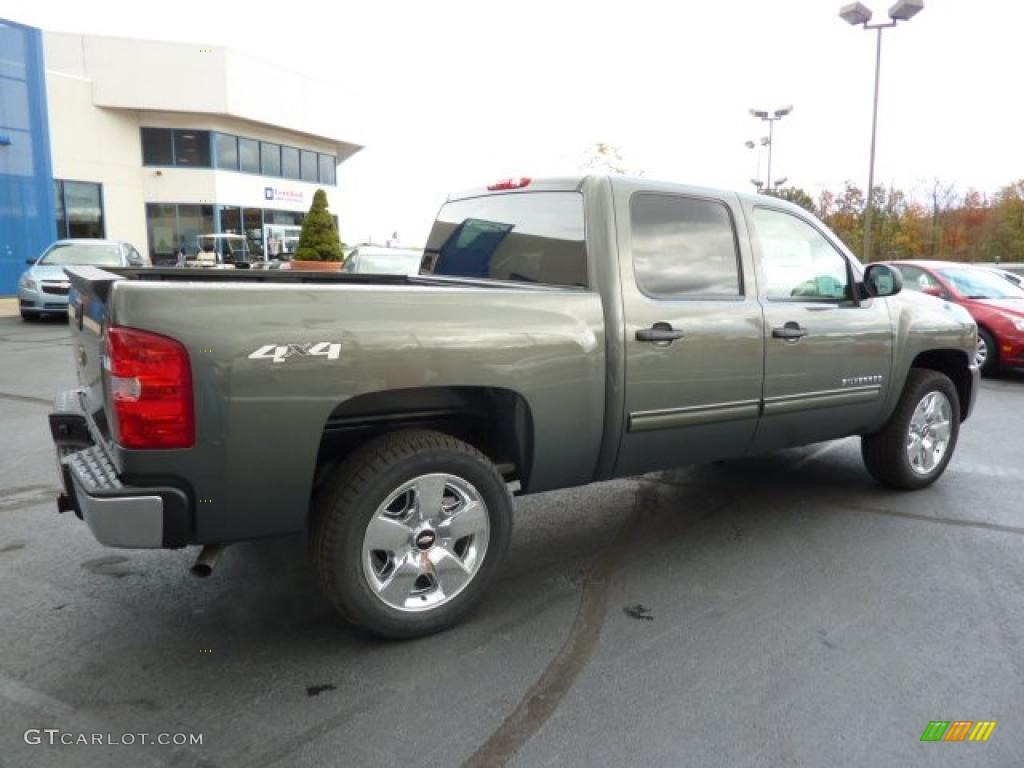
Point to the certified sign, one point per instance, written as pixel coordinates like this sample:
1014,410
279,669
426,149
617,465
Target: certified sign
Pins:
287,195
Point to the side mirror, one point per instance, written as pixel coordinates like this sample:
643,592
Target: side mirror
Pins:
30,262
881,280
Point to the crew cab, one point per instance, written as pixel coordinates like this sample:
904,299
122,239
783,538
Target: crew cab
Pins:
561,331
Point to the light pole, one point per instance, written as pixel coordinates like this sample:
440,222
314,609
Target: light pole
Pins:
751,144
770,118
858,14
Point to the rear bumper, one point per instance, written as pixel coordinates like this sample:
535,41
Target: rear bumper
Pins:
119,515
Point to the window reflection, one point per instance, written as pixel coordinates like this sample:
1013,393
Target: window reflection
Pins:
270,158
249,155
534,237
227,151
797,260
684,247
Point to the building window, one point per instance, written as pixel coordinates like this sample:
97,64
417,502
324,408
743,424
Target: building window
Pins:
230,219
192,148
683,247
252,221
328,164
290,163
309,166
162,230
226,147
62,218
249,155
172,227
157,146
79,209
270,158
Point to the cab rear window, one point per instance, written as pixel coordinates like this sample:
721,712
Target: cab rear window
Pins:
535,237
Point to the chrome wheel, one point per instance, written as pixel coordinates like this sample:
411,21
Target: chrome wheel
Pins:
426,542
929,433
981,352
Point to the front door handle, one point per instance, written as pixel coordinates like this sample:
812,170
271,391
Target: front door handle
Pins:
791,331
659,332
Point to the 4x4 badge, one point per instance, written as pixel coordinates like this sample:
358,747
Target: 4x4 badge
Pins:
278,353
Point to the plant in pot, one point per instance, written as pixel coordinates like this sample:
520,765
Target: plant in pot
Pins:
319,245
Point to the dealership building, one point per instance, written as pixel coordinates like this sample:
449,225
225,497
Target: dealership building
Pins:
155,143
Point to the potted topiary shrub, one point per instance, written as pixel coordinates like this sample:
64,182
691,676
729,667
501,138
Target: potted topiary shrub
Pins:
319,245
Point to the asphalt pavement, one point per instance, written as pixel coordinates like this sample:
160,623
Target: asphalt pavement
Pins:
782,610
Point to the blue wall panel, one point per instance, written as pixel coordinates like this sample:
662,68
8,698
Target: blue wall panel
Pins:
27,213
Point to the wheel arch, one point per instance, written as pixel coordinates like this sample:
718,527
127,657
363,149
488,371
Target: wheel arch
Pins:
954,364
496,421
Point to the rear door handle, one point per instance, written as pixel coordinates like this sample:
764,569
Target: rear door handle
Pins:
791,331
663,332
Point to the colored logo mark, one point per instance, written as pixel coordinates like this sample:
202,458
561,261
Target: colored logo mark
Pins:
958,730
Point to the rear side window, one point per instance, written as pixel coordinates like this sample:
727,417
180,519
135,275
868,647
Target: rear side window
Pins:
534,237
684,247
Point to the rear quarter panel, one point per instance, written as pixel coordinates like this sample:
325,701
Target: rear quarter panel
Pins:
259,423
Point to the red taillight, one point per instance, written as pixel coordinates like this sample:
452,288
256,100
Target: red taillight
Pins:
150,385
517,183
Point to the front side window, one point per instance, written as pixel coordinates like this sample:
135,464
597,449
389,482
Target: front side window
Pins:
192,148
798,262
684,247
535,237
916,279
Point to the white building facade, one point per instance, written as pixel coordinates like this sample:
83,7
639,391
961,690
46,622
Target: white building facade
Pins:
157,143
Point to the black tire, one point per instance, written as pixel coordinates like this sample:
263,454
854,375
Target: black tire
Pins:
349,501
29,317
991,365
885,452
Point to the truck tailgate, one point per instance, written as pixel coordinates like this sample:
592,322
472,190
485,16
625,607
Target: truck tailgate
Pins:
87,316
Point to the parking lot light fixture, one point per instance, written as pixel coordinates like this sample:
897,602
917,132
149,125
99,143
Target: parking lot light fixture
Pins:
770,117
855,13
858,14
905,10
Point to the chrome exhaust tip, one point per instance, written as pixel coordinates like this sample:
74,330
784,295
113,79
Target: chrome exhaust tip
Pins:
207,559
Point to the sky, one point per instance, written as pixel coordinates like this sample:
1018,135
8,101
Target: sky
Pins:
450,94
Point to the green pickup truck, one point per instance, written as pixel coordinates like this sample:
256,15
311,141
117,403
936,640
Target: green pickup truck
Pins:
561,331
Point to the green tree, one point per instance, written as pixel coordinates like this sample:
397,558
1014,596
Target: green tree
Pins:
319,239
798,196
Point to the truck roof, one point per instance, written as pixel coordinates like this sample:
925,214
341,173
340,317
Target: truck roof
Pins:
575,183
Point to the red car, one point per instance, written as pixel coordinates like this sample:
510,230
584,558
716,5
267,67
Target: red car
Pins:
996,305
